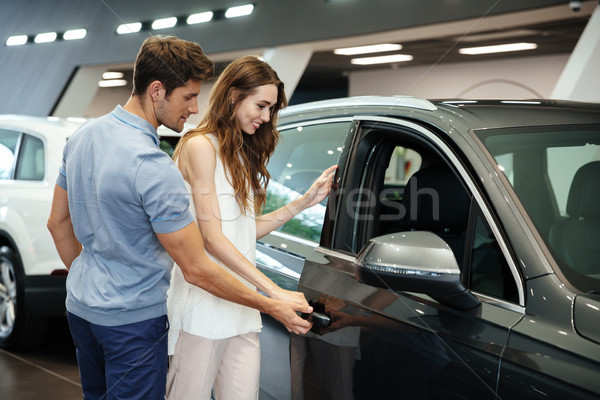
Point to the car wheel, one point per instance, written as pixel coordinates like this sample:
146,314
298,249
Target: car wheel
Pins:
18,328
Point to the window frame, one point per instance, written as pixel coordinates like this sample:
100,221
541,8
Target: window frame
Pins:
428,137
16,153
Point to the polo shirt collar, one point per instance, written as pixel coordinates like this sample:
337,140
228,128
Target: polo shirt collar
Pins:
136,122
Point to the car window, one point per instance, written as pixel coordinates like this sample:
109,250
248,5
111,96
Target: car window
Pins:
422,192
302,154
403,163
563,163
489,273
555,173
8,146
30,165
168,143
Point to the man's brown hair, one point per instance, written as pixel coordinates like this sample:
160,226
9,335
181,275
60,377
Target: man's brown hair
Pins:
172,61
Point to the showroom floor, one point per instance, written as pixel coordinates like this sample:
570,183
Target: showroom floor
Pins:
48,372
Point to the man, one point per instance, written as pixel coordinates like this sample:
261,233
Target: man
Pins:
119,213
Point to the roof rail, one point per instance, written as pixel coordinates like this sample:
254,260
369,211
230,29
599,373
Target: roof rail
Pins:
391,101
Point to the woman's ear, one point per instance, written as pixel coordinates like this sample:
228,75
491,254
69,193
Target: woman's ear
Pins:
233,95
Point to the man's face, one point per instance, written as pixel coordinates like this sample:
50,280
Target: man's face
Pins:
174,110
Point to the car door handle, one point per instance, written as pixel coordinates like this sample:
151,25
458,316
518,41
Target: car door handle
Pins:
320,319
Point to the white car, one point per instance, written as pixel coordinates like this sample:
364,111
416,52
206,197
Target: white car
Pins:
32,276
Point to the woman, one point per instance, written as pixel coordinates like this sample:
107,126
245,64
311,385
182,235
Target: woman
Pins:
214,343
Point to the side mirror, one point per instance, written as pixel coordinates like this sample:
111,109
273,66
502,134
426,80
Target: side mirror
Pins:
415,261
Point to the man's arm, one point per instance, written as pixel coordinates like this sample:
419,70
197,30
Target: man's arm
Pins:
61,229
187,249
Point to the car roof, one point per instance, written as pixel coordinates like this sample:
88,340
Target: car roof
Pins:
41,125
63,126
476,114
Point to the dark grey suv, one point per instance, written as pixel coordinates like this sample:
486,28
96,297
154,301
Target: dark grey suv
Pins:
458,256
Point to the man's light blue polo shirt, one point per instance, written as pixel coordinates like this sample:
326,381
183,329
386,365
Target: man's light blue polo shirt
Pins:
122,190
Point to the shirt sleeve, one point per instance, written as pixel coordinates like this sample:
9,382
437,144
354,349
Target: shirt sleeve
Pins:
61,180
163,194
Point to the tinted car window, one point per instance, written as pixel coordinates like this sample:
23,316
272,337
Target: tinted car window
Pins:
30,165
556,176
302,154
421,192
489,273
8,145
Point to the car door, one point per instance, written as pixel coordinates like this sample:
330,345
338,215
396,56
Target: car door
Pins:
377,341
304,151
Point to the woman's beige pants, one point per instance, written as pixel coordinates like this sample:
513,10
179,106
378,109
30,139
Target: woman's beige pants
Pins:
229,366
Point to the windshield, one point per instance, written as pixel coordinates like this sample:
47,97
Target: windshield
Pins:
555,172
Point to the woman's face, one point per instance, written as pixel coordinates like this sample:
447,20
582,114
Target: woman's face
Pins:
255,109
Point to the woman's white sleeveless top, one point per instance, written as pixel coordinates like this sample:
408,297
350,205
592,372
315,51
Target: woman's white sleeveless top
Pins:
195,310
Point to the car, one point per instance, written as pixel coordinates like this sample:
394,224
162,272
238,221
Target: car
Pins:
457,256
32,276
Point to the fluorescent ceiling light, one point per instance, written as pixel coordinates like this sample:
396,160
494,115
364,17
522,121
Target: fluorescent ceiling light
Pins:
164,23
382,59
74,34
17,40
129,28
498,35
239,11
199,17
112,83
112,75
46,37
375,48
499,48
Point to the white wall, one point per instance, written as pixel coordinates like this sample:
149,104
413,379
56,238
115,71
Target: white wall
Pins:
525,77
107,98
520,78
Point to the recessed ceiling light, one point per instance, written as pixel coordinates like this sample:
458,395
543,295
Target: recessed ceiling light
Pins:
47,37
74,34
239,11
112,83
164,23
382,59
129,28
498,35
499,48
112,75
375,48
17,40
199,18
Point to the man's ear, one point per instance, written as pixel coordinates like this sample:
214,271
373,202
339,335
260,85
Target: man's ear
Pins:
154,90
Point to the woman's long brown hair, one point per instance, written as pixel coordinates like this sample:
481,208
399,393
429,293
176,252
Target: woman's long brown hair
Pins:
244,156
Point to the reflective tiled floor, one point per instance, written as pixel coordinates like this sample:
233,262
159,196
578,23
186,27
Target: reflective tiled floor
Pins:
49,371
46,372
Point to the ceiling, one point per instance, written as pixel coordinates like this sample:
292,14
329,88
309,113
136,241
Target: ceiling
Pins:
555,32
556,37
